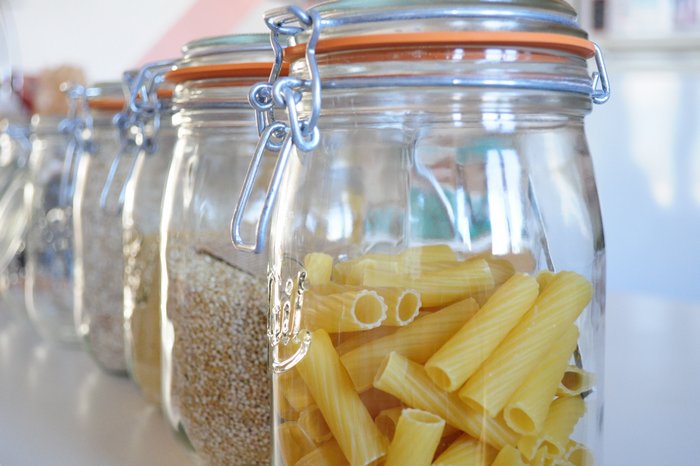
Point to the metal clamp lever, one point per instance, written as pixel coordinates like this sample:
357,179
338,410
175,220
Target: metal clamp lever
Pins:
259,243
600,76
77,127
139,116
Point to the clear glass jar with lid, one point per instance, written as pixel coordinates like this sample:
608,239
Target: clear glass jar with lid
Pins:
437,263
215,383
49,281
150,113
99,269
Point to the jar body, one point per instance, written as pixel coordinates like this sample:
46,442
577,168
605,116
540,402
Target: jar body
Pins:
436,203
14,152
98,266
141,223
215,384
49,282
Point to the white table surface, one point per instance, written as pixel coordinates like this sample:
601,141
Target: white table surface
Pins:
57,408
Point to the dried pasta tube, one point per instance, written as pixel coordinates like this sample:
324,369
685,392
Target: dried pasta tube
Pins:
417,341
319,267
437,288
416,438
578,455
575,381
554,436
312,423
348,341
501,269
328,454
387,418
544,278
556,308
402,306
294,390
528,407
284,409
363,264
293,442
462,354
427,254
509,456
343,312
409,382
346,416
467,451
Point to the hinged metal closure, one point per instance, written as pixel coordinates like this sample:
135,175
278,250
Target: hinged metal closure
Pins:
77,127
138,124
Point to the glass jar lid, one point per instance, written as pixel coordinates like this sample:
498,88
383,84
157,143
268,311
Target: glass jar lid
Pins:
231,56
106,96
351,17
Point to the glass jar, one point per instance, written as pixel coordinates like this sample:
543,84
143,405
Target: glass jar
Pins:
150,115
49,282
436,250
99,265
215,383
14,154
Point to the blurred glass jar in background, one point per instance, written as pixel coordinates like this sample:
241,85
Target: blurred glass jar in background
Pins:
215,381
49,283
150,113
14,154
99,265
436,242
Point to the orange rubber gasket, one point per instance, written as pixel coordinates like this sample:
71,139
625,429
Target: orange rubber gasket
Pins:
227,70
575,45
164,93
106,103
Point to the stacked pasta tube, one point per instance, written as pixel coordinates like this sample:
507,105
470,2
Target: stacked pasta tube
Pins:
422,358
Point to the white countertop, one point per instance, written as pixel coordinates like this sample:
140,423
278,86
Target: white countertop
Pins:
58,408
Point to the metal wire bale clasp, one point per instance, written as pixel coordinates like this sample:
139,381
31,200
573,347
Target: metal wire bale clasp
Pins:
77,127
268,141
600,77
284,93
138,124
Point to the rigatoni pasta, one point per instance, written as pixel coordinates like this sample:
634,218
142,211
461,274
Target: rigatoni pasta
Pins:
467,451
409,382
563,415
417,341
343,312
527,408
416,438
464,353
508,456
575,381
489,374
346,416
556,308
328,454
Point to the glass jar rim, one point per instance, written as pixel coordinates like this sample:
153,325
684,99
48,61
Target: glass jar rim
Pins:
578,46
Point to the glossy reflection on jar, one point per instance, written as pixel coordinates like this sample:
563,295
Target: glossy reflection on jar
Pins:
436,255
